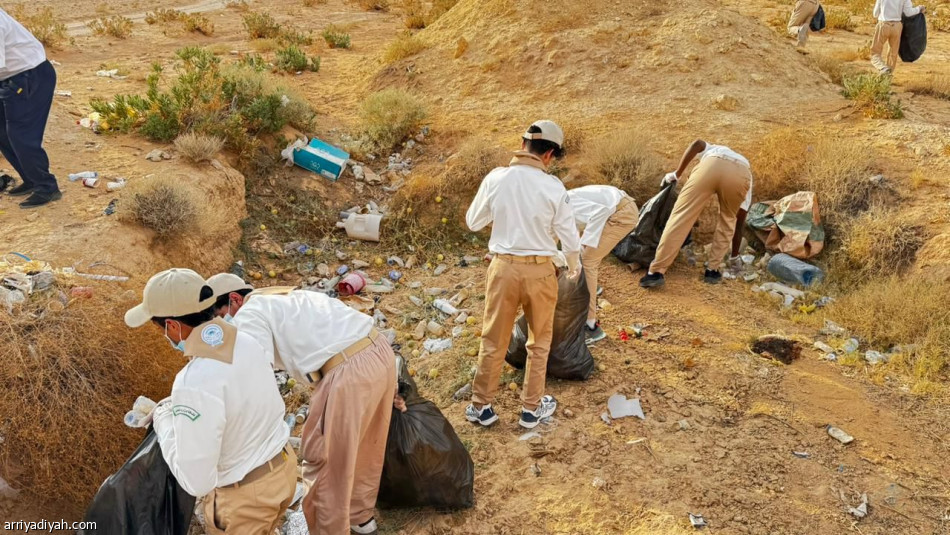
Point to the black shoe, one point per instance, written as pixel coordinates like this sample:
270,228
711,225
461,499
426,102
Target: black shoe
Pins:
712,277
39,199
22,189
5,182
652,280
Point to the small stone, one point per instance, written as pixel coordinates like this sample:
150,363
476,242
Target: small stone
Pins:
683,425
568,413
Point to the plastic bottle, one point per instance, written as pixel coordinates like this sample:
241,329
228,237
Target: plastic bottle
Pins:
363,226
85,174
444,306
792,270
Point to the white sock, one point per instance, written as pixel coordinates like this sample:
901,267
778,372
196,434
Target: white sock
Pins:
591,324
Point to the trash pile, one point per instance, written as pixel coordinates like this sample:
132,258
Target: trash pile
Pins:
840,344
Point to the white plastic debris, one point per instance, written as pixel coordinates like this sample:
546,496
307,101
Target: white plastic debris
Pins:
851,345
111,73
434,291
440,269
875,357
444,306
416,300
823,347
860,511
833,329
697,521
457,331
840,435
139,415
288,153
621,407
747,259
437,345
782,289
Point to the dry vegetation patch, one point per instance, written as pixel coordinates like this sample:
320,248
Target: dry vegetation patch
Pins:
878,243
625,160
164,205
404,46
115,26
44,25
197,147
935,85
390,116
872,94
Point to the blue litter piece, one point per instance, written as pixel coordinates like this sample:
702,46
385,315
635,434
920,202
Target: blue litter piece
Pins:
322,158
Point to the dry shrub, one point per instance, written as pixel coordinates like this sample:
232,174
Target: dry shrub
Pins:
261,26
416,215
835,66
162,15
439,8
725,103
935,85
878,243
895,311
164,205
197,147
43,25
116,26
68,378
624,160
404,46
373,5
311,3
839,19
197,23
871,94
390,116
263,46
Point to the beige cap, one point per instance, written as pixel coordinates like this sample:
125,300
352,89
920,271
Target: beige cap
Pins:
549,132
174,292
225,283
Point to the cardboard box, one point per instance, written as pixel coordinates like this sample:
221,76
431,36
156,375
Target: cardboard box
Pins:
322,158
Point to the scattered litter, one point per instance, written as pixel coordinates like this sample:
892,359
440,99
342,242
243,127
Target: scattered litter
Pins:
457,331
395,275
529,435
599,483
875,357
362,226
801,454
440,269
831,357
340,255
824,301
463,393
301,415
83,175
823,347
296,524
384,286
833,329
420,331
415,285
840,435
111,73
621,407
351,284
396,261
459,298
860,511
360,264
434,291
851,345
747,259
139,415
606,418
434,328
61,93
316,156
697,521
416,300
461,318
81,291
379,318
776,347
792,270
342,270
42,280
158,155
90,182
750,277
446,307
115,185
781,289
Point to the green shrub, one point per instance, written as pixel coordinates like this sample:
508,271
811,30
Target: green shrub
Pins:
291,59
871,94
261,26
253,61
116,26
390,116
292,37
336,37
43,25
315,63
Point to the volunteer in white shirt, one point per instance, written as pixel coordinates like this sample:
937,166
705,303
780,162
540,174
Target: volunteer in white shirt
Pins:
529,211
889,27
352,369
221,431
27,82
607,215
721,172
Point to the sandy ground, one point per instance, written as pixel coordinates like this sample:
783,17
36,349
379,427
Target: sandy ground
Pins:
732,460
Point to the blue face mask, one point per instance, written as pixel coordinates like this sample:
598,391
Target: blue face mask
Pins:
229,318
180,346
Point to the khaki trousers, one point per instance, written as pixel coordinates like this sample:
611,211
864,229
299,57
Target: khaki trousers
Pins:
618,226
530,282
802,14
256,508
729,182
890,33
344,440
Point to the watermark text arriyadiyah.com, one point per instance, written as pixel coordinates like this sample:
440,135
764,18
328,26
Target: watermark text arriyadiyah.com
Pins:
47,526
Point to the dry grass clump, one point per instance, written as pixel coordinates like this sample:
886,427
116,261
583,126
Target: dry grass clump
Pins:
839,19
404,46
935,85
163,15
836,66
624,160
336,37
390,116
895,311
197,147
871,94
115,26
166,206
67,379
43,25
261,26
311,3
879,242
197,23
373,5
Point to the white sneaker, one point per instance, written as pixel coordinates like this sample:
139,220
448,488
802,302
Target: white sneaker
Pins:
531,419
802,34
367,528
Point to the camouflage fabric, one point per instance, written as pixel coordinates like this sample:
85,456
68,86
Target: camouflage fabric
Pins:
791,225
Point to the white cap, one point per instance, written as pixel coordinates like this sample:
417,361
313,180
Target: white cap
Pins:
225,283
549,132
172,293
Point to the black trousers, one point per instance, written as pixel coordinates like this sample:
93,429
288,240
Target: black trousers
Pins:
25,101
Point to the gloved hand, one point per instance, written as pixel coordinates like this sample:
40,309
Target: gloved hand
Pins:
573,265
669,179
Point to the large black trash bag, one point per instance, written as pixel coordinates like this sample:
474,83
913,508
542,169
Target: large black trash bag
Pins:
913,38
569,357
426,464
142,498
639,247
818,21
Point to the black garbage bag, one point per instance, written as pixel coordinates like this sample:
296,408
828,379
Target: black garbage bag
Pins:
142,498
639,247
818,21
569,357
913,38
426,464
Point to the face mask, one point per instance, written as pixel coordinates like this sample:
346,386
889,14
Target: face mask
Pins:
229,318
180,346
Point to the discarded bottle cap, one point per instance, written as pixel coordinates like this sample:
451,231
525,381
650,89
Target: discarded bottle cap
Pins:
342,270
395,275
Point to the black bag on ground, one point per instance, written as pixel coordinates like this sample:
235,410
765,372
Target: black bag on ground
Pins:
142,497
569,358
639,247
426,464
818,21
913,38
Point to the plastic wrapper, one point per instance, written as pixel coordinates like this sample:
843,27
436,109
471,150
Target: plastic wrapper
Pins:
570,357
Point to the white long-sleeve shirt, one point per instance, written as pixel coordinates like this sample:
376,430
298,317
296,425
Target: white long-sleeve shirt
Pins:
722,151
19,50
222,419
593,206
302,330
891,10
529,210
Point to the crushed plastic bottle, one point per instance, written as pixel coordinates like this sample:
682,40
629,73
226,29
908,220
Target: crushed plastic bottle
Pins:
446,307
83,175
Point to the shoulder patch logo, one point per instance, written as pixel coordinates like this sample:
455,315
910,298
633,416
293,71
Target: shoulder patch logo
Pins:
212,335
186,411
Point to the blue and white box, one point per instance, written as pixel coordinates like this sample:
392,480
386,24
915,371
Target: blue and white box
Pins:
321,158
